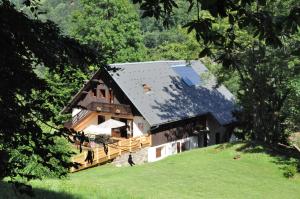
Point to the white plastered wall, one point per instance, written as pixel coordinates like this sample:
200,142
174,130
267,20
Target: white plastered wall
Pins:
170,148
140,126
214,127
75,111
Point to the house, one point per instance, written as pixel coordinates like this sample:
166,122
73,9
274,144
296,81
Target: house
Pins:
175,102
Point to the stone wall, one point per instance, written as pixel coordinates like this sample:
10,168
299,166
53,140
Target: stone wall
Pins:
138,157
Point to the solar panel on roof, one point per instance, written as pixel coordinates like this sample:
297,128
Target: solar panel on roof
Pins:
188,74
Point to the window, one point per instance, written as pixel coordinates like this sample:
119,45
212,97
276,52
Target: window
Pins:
94,91
178,147
101,119
187,74
102,92
217,136
158,152
185,146
111,96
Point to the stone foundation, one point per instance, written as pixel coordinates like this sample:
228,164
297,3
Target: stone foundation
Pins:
138,157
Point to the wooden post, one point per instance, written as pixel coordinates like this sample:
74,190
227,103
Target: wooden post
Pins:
97,154
120,150
140,141
72,168
108,152
85,154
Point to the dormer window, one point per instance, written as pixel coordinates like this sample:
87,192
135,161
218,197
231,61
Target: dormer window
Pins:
102,93
147,88
94,92
111,96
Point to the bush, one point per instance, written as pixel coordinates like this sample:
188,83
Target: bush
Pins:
290,171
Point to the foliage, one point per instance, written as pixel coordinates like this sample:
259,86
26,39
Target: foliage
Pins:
292,107
60,12
111,27
156,38
184,49
29,43
266,79
290,171
63,86
36,168
245,36
230,79
268,24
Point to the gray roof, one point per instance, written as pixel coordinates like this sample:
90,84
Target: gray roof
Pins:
170,99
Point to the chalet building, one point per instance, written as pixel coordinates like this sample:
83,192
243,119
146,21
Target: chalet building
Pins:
175,102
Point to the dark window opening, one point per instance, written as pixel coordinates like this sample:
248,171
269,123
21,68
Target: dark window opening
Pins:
115,133
205,140
94,92
111,96
217,138
102,92
123,129
101,119
185,146
178,147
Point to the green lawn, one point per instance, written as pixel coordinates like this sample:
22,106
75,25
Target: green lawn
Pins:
203,173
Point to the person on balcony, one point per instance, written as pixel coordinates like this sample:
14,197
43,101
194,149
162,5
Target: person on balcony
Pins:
90,156
82,139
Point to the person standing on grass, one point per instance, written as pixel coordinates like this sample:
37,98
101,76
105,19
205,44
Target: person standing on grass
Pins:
130,161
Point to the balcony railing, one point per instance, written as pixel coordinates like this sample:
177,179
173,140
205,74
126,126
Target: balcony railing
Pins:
114,150
115,109
79,116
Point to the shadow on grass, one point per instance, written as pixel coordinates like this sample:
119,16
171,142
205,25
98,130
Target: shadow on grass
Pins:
227,145
8,191
282,156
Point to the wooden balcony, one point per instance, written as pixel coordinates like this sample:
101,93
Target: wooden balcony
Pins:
79,116
114,109
90,99
114,150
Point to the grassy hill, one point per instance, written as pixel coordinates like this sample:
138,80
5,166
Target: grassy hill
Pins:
202,173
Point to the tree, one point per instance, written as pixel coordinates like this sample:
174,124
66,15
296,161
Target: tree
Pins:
267,77
60,12
28,43
255,32
111,27
173,45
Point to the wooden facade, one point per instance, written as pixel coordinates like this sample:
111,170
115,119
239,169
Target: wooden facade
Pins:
178,130
102,97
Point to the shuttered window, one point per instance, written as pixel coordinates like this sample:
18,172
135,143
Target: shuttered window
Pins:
158,152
